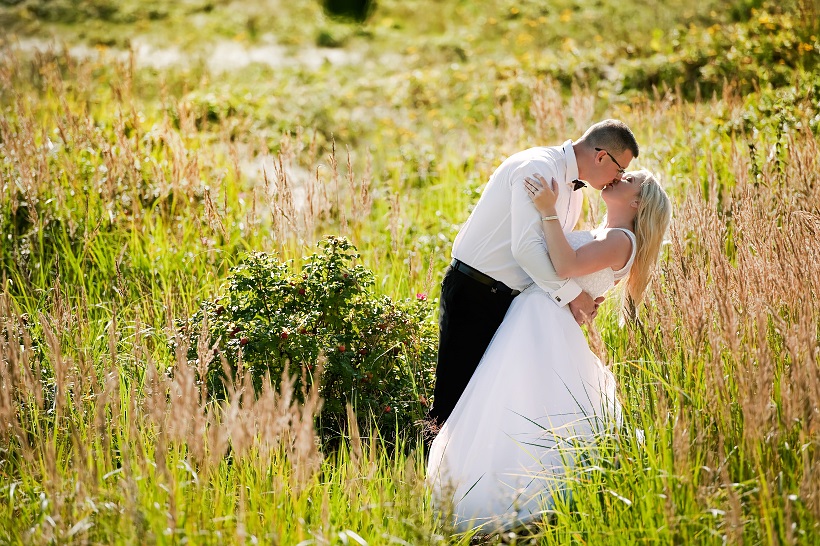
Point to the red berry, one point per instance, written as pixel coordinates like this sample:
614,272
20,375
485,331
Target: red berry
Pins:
303,330
301,291
362,352
244,341
284,335
342,348
387,409
219,310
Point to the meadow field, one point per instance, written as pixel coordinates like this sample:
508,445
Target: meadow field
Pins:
223,225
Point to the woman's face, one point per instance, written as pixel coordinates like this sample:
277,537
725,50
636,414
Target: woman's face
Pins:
623,193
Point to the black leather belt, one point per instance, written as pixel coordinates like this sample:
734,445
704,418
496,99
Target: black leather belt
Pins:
475,274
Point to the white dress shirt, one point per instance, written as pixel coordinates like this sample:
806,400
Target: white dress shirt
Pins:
502,237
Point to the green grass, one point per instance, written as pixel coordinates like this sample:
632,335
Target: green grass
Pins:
127,193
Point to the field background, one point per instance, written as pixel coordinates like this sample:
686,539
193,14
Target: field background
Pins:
147,147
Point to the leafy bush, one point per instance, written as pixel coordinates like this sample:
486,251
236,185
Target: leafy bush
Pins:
353,10
378,354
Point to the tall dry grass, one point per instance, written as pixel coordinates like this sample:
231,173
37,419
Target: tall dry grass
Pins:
728,351
70,428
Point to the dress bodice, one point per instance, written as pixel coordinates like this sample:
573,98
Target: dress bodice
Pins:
597,283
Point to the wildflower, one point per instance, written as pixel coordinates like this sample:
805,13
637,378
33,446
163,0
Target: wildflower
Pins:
421,296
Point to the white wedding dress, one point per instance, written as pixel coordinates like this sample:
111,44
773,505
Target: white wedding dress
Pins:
538,395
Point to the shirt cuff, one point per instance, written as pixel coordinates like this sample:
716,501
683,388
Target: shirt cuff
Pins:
568,292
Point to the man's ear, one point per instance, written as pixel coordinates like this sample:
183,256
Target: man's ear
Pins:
635,202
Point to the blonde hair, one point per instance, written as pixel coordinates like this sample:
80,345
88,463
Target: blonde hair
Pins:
651,222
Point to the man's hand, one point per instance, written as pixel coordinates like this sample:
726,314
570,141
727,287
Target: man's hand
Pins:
584,308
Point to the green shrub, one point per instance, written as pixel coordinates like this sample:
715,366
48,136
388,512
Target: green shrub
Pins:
377,354
766,49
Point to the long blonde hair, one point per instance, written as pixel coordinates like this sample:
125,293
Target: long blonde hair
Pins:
651,222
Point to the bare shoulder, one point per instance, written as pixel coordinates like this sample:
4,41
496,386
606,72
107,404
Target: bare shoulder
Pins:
618,245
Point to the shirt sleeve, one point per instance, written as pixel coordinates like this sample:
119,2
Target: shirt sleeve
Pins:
528,245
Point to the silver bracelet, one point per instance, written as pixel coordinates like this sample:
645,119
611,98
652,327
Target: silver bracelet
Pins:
545,218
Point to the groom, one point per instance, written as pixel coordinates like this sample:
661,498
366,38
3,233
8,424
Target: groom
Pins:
500,250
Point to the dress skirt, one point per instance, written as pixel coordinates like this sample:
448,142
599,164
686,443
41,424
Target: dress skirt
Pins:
532,410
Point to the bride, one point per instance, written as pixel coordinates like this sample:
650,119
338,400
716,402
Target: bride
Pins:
539,392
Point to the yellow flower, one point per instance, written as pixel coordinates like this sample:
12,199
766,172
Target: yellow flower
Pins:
491,21
514,10
566,15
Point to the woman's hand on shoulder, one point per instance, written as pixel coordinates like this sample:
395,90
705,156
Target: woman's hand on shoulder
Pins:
543,194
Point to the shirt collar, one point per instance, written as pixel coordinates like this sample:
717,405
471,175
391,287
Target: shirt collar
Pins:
572,162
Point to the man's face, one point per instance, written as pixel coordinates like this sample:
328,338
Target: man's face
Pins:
608,167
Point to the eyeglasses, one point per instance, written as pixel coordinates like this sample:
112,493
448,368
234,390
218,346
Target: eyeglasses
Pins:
621,170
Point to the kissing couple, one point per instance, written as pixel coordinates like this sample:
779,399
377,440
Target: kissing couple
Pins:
517,386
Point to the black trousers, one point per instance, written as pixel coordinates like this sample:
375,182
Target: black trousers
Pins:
469,315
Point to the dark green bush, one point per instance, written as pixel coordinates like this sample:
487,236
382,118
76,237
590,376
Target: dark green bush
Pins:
379,354
350,10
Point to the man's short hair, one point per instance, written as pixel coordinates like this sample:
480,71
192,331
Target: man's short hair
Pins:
613,136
